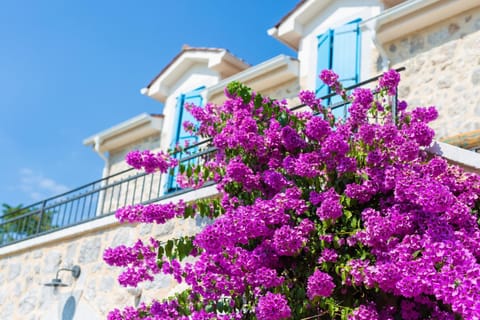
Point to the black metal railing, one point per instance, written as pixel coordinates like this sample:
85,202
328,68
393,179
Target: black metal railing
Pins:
105,196
94,200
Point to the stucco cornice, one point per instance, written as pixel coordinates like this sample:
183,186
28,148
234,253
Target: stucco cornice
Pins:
414,15
219,60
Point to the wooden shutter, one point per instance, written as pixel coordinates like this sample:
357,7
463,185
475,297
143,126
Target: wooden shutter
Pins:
324,61
180,135
346,58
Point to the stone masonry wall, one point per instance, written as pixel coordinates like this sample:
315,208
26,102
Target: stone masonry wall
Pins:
443,69
26,266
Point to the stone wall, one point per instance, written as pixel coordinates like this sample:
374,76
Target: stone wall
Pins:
27,265
443,69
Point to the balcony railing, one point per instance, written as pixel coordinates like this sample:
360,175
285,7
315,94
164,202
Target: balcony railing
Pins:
94,200
103,197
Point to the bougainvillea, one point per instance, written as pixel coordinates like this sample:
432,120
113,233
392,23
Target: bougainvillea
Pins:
317,218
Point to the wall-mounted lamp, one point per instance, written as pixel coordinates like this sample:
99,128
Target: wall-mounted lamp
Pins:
57,282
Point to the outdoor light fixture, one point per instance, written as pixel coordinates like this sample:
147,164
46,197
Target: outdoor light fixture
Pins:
57,282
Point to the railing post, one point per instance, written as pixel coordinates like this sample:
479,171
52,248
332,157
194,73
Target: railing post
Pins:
40,221
395,107
101,197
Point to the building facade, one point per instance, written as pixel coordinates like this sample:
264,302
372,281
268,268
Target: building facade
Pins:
437,41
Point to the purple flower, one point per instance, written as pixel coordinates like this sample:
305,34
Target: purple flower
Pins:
365,312
151,162
273,306
389,81
329,77
288,241
328,255
330,207
291,139
274,180
309,98
317,128
320,284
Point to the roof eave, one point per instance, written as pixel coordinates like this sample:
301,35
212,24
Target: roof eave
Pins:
153,123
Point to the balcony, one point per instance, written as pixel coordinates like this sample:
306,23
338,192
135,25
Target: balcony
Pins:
103,197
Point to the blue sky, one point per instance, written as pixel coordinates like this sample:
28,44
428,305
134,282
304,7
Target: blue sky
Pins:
69,69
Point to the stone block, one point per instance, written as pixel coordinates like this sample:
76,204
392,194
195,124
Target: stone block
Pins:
475,76
89,251
416,43
106,284
27,304
122,236
52,262
14,271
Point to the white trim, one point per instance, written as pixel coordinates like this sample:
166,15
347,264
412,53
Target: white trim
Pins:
290,31
461,156
126,132
120,128
95,225
414,15
221,61
260,77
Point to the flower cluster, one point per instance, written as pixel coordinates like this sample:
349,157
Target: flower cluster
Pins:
316,217
151,162
273,307
319,284
140,262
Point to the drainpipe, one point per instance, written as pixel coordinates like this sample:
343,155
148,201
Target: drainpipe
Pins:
372,25
106,171
96,147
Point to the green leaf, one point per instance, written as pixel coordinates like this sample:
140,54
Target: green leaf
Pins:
189,171
348,214
168,249
160,253
354,222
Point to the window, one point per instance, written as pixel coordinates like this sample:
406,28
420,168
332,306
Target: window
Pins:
180,135
339,50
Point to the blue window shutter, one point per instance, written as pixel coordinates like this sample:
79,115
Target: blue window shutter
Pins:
346,58
180,135
193,97
324,61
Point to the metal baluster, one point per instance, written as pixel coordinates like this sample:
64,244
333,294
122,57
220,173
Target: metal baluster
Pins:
126,194
158,186
151,186
70,216
143,187
111,197
134,190
90,203
40,221
118,197
395,107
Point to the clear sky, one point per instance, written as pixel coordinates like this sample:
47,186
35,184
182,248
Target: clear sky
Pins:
71,68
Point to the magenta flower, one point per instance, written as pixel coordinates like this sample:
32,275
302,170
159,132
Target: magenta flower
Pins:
329,77
320,284
273,306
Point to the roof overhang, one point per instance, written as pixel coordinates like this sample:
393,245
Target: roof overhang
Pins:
290,29
263,76
219,60
125,133
414,15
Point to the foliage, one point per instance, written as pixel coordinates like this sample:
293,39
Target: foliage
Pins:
318,217
17,222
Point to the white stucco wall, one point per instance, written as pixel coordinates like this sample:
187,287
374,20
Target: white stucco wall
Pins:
198,75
